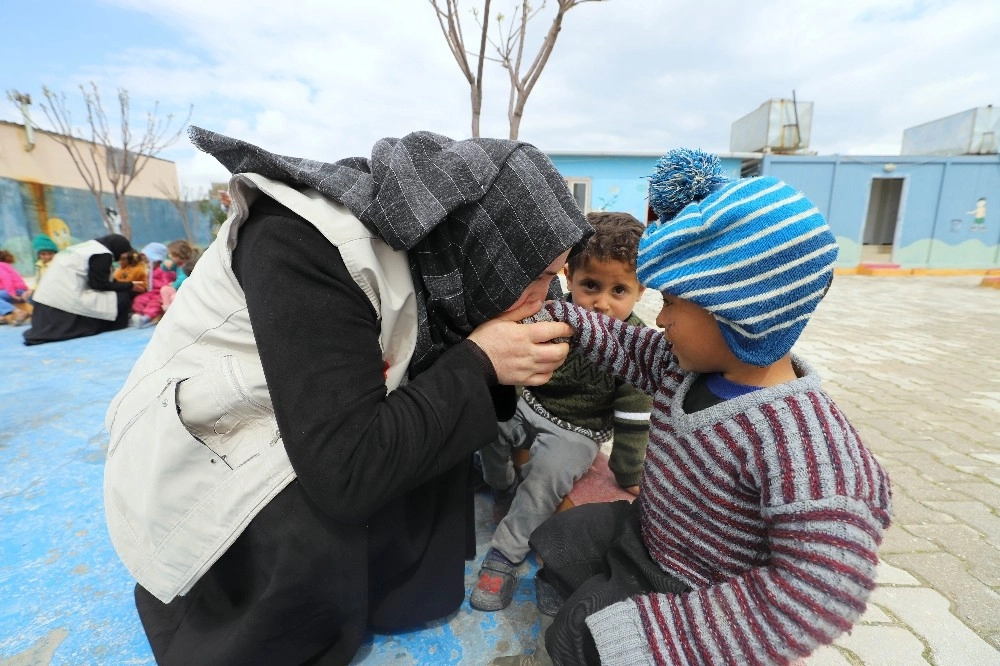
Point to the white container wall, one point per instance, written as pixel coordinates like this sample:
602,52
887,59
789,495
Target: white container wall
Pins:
972,132
777,126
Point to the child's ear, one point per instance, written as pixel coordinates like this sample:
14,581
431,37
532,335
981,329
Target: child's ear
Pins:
567,272
642,290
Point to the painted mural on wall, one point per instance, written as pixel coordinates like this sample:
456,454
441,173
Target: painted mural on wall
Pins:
69,216
979,215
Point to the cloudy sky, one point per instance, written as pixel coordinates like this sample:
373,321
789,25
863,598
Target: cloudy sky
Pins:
326,78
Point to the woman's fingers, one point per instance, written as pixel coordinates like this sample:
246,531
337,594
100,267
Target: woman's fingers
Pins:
523,311
543,331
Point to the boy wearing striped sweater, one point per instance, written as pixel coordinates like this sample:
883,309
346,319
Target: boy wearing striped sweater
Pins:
564,422
754,538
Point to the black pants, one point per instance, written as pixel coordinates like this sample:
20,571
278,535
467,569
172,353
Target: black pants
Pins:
593,557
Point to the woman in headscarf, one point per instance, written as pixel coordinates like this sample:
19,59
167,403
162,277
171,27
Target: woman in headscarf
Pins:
78,296
289,459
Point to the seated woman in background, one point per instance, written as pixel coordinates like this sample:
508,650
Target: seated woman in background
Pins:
78,296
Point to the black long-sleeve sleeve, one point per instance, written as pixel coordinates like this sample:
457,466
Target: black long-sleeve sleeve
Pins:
99,274
353,447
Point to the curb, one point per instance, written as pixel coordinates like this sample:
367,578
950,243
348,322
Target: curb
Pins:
894,270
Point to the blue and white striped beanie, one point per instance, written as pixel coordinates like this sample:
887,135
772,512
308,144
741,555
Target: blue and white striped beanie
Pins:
754,252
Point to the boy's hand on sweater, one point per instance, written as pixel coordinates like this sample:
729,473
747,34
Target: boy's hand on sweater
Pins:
522,353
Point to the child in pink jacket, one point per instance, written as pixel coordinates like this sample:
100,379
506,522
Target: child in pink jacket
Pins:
147,307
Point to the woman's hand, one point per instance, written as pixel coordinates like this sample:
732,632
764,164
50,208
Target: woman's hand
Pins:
138,286
522,353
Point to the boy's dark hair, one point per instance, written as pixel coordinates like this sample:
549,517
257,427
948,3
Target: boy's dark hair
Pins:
616,237
7,257
129,259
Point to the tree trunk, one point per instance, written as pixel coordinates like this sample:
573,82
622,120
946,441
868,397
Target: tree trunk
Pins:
515,124
123,214
477,107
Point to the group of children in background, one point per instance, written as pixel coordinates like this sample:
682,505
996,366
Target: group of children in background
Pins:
159,269
163,269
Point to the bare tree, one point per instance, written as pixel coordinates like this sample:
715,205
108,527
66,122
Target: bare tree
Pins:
104,159
182,200
509,48
451,28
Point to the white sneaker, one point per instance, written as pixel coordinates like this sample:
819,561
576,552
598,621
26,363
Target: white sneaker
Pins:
138,321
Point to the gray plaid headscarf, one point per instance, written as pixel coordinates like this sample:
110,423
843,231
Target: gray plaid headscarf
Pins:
480,218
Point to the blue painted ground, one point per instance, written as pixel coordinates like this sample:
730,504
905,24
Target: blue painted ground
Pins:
65,598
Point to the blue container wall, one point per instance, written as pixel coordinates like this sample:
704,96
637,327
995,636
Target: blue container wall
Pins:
27,209
620,183
937,225
959,235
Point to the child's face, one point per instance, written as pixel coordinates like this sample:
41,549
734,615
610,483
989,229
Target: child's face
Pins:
697,341
174,257
46,255
609,287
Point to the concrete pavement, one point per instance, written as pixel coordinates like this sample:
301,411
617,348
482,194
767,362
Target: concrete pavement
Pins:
915,364
913,361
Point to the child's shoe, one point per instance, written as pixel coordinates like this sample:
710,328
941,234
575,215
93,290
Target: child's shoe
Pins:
138,321
497,580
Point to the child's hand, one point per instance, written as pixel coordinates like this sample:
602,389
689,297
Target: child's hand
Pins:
138,287
634,490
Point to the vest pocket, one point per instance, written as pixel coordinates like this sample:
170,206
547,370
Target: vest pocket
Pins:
158,472
220,409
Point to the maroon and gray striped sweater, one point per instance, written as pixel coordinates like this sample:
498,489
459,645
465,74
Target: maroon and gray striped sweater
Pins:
768,505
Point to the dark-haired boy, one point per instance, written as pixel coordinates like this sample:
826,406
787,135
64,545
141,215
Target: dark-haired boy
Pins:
564,422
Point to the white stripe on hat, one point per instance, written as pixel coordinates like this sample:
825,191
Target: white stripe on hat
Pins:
698,213
760,277
796,196
763,334
767,231
788,306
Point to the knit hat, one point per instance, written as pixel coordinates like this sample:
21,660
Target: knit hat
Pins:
155,252
754,252
42,242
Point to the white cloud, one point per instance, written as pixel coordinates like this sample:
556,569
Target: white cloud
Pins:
326,79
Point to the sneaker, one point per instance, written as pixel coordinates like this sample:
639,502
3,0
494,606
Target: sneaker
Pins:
502,499
138,321
497,580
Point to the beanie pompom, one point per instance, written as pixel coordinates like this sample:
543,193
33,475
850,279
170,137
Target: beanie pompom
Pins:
682,176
